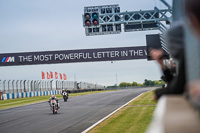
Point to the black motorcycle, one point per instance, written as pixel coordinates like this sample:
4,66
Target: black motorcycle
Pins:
65,96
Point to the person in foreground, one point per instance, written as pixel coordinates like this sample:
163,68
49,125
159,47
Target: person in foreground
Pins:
175,42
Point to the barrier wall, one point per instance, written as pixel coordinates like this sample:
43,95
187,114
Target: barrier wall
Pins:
30,94
19,86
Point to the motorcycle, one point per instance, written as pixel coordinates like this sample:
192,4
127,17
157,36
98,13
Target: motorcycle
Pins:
65,96
54,106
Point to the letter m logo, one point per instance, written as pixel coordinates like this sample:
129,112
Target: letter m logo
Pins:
8,59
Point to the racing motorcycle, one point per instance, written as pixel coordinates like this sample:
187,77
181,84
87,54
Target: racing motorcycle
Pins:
54,106
65,96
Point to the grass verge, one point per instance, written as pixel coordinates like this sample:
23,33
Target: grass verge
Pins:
133,118
30,100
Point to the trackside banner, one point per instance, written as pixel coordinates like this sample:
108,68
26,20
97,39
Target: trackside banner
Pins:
72,56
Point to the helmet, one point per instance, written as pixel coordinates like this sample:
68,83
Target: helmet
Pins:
53,97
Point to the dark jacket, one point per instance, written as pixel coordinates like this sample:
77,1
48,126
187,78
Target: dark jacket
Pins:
177,83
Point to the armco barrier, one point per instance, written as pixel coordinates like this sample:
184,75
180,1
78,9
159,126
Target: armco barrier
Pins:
29,94
41,93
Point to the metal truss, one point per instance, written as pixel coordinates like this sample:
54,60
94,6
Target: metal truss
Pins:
166,4
141,17
136,17
162,28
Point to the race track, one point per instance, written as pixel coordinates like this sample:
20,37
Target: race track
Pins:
74,116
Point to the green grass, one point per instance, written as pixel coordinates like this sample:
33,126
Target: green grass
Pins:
134,118
30,100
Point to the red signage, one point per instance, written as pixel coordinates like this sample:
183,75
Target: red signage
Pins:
43,75
64,76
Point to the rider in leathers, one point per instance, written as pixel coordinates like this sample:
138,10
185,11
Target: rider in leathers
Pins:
63,90
54,98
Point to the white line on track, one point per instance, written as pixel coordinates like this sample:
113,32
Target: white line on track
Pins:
95,124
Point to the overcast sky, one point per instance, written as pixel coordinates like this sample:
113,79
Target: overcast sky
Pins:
51,25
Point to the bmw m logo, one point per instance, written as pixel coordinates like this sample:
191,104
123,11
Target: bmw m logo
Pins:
8,59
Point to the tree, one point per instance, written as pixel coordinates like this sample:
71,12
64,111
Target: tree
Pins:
134,83
146,82
125,84
128,84
151,83
139,84
122,84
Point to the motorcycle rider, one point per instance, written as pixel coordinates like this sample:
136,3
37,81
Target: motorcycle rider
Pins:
64,91
54,98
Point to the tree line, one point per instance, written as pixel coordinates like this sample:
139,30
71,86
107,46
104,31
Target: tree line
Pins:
145,83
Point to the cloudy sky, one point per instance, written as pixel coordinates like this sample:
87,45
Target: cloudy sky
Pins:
52,25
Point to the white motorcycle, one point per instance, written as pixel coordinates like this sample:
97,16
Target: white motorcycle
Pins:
54,106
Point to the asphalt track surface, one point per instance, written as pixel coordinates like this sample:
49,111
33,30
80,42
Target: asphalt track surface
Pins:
74,116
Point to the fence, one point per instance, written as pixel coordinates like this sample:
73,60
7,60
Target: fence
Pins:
11,89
